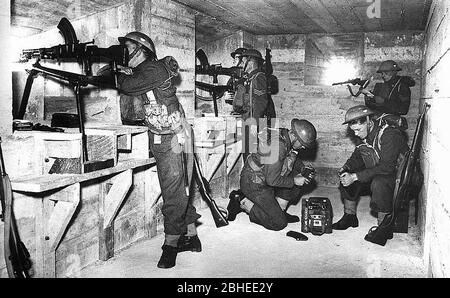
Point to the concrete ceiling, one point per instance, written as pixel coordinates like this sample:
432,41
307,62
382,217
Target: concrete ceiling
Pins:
219,18
265,17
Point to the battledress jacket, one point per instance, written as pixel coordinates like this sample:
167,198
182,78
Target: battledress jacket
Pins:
392,97
256,87
274,161
162,117
389,144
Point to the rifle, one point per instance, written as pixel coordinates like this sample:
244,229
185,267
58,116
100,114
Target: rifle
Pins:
272,81
409,179
362,83
16,254
219,214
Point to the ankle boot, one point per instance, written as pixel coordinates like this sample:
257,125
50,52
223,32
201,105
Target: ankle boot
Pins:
291,218
189,243
168,257
379,235
347,221
382,233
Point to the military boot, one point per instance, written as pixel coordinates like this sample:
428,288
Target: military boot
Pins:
291,218
347,221
168,257
189,243
383,232
379,235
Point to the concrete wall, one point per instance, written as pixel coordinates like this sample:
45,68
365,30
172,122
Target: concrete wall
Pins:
435,211
5,72
325,106
172,28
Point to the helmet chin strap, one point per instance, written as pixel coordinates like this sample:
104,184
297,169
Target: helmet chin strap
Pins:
132,55
246,64
368,125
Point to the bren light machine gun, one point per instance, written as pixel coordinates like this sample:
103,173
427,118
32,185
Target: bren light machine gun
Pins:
85,54
216,90
362,83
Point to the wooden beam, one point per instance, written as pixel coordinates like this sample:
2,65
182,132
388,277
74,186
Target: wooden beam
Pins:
53,214
49,182
120,186
62,213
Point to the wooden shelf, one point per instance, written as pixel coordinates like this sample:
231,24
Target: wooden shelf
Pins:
49,182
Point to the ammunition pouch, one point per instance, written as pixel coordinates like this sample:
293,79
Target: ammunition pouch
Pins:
369,155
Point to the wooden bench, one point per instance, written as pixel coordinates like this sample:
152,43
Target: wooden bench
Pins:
58,197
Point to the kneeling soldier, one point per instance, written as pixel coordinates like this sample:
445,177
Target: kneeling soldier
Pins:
372,167
272,177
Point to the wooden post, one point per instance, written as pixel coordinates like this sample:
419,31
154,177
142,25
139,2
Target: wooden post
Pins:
114,193
53,214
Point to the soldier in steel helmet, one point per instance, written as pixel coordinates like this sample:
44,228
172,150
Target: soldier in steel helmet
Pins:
391,99
148,96
251,99
370,169
275,176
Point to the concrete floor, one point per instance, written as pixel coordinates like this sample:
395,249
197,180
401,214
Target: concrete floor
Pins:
246,250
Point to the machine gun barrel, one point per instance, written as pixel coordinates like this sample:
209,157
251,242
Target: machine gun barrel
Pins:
79,51
64,51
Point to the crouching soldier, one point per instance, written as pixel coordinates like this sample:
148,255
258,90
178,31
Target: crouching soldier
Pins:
371,168
274,176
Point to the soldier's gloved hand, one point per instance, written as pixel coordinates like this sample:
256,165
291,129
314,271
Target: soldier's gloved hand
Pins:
299,180
348,179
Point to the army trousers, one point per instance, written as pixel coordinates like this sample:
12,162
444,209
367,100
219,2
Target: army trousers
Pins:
177,208
381,189
266,210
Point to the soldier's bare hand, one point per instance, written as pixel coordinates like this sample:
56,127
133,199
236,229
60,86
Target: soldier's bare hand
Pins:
348,179
367,93
300,180
125,70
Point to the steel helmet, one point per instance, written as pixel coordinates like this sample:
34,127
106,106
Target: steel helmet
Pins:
357,113
141,39
305,132
389,65
238,51
253,53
